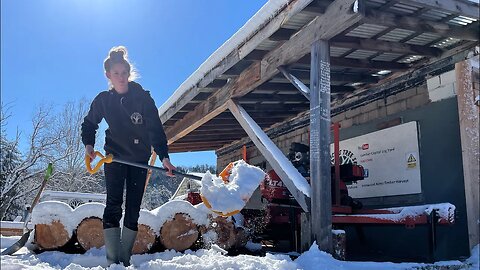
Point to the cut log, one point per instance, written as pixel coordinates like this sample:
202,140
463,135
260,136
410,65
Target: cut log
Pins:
225,230
145,239
51,236
90,233
180,233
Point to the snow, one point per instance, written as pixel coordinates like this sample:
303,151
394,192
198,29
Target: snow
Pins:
168,210
337,232
444,211
149,219
232,196
87,210
253,246
213,258
14,225
49,211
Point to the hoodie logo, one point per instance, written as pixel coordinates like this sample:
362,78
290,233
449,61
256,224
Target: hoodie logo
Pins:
136,118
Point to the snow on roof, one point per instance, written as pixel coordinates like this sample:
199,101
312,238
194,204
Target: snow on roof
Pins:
231,196
49,211
251,27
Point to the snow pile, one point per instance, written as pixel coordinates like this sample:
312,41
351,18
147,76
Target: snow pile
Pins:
87,210
232,196
314,259
49,211
473,261
445,211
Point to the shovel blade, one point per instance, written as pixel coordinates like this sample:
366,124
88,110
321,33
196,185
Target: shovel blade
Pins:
18,245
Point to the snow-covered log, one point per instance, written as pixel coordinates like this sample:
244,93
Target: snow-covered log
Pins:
52,227
180,233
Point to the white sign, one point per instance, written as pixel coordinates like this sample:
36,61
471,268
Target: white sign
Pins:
390,159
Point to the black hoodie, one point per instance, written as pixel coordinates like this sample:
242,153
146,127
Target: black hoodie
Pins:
134,125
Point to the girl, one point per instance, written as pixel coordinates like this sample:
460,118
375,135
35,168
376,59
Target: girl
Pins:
133,128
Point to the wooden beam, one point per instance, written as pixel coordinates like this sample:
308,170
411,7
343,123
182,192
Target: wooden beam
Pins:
320,172
340,15
383,46
468,114
304,90
339,77
291,178
359,63
464,8
289,9
420,25
213,106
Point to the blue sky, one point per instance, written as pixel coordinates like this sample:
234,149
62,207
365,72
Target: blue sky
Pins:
52,51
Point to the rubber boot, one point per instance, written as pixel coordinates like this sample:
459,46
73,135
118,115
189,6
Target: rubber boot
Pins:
128,239
112,245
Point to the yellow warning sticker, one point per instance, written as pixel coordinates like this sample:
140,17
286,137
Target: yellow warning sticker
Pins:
411,160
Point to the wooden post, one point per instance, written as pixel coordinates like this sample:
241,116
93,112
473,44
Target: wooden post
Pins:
468,114
320,175
291,178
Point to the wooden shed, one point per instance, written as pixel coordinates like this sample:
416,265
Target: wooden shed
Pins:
304,63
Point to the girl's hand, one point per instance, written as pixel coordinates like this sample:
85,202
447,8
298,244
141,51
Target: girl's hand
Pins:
89,151
167,165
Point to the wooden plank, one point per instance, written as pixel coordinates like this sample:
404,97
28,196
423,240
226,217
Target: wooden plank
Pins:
320,172
304,75
279,162
464,8
419,25
340,15
213,106
304,90
468,114
383,46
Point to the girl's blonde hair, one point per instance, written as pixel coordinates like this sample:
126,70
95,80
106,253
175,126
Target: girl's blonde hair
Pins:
119,54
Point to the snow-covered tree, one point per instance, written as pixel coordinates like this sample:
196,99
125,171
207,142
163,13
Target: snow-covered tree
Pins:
22,176
71,172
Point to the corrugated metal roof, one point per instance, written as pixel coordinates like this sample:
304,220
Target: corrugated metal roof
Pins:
410,59
267,45
405,8
435,15
396,35
445,43
298,21
461,21
375,3
366,30
423,39
336,51
387,57
361,54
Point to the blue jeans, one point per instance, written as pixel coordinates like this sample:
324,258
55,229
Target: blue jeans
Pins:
116,176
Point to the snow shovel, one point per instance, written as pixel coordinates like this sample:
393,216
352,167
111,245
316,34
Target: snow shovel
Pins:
23,240
110,159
